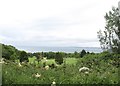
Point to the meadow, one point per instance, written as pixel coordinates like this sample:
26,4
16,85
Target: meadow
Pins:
103,69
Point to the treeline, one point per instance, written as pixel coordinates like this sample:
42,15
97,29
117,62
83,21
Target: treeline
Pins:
11,53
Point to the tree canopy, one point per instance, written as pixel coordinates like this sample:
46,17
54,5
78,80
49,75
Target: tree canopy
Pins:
110,37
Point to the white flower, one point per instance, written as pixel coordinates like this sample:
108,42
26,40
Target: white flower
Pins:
44,58
86,72
2,60
37,75
46,67
83,69
19,64
53,82
23,62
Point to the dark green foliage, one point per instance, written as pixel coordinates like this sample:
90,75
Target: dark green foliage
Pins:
44,64
59,58
83,52
23,56
29,54
51,55
76,54
9,52
52,66
38,56
110,37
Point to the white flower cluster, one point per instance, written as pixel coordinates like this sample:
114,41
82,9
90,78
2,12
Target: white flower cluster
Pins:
2,60
19,65
45,59
46,67
84,69
37,75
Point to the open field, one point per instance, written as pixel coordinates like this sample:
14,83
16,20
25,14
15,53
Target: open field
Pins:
50,61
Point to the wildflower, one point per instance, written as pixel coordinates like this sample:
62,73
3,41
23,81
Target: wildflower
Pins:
19,65
44,58
86,72
2,60
37,75
47,67
23,62
83,69
53,83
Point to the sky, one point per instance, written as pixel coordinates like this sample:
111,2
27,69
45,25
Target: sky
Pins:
53,22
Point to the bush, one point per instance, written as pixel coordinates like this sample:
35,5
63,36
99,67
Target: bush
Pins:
83,52
59,58
23,56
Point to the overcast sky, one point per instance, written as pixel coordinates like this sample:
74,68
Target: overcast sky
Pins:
53,22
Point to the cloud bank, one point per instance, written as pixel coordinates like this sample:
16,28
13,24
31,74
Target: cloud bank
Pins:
53,22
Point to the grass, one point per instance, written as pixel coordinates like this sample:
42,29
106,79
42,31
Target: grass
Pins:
71,61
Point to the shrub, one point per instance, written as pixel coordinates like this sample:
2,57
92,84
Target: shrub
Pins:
23,56
59,58
83,52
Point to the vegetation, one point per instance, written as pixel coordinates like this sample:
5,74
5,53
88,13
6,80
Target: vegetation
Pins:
51,68
59,58
83,52
110,38
103,69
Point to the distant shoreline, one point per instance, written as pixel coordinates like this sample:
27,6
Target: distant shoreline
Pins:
58,49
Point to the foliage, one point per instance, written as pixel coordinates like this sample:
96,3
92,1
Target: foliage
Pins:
9,52
83,52
76,54
102,71
110,37
23,56
59,58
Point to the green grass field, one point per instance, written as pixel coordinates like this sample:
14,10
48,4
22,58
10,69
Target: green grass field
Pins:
69,61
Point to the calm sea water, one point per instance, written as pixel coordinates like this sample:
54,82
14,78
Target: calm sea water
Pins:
60,49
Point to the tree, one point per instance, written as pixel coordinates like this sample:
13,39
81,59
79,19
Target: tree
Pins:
23,56
110,37
51,55
59,58
13,57
9,52
83,52
38,56
76,54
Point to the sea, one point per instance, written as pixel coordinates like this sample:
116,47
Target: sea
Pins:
59,49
